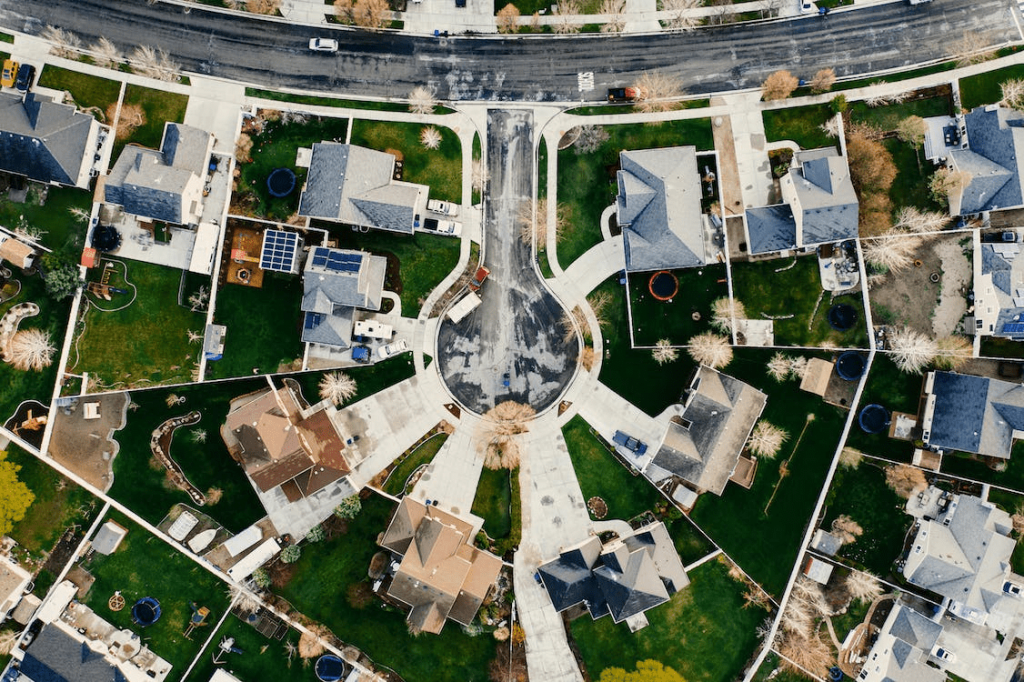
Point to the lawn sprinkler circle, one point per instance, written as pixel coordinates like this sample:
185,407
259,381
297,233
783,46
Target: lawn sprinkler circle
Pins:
873,418
146,612
663,285
850,365
280,182
329,668
842,317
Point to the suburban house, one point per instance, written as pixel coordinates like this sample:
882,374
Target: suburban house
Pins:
903,648
658,209
819,206
48,142
335,283
706,433
999,288
16,252
624,578
988,145
972,414
441,574
165,185
357,186
961,551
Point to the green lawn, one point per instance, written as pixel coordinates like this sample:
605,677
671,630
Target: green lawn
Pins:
913,175
1010,503
262,658
772,670
19,385
960,464
896,391
632,373
600,474
369,380
704,632
424,454
416,263
766,544
6,38
160,107
654,320
320,588
61,231
984,88
276,147
144,566
140,486
586,182
87,91
799,124
147,342
888,117
266,340
862,494
326,101
439,169
992,347
795,291
493,502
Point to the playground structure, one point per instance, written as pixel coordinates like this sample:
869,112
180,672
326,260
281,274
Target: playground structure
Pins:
198,619
225,647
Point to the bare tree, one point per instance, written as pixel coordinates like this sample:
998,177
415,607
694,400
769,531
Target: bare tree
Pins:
589,138
679,18
499,430
479,175
862,586
64,43
371,14
911,350
766,440
508,19
664,352
798,368
311,642
269,7
154,63
846,529
337,387
30,349
850,457
198,435
430,137
891,252
567,12
724,310
194,336
8,638
657,91
780,366
587,357
1013,93
779,85
971,48
914,220
534,225
831,127
905,480
711,349
823,80
199,299
615,17
422,100
953,352
106,54
911,130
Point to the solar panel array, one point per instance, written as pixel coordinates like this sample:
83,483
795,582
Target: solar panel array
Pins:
279,249
337,261
1013,328
313,320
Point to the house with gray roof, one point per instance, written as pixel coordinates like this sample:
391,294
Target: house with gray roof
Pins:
658,208
706,433
624,578
819,206
903,648
965,413
999,288
357,186
165,184
335,283
48,142
962,553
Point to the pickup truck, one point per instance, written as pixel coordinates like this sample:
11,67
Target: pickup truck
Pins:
622,94
478,278
443,207
448,227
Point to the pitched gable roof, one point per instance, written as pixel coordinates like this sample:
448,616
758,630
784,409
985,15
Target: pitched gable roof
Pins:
972,414
43,140
995,160
824,197
55,656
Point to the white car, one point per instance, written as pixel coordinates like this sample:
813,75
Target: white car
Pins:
393,348
323,44
443,207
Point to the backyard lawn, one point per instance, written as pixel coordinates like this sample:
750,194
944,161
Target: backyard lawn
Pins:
992,347
761,528
1012,477
266,340
984,87
160,107
654,320
421,456
369,380
796,291
140,485
48,210
19,385
439,169
888,117
896,391
913,175
704,632
587,184
87,91
493,502
145,343
799,124
325,586
144,566
262,658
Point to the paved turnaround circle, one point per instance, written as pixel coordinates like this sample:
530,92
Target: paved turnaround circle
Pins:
517,329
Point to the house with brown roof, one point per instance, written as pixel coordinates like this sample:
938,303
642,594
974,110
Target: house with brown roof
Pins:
16,252
441,574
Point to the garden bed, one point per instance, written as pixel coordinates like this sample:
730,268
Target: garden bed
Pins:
398,480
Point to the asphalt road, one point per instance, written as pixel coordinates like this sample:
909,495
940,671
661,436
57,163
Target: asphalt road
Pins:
534,69
517,328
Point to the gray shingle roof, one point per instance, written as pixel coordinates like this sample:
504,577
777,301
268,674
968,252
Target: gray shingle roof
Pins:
771,228
328,329
43,140
995,160
659,209
826,198
975,414
330,296
55,657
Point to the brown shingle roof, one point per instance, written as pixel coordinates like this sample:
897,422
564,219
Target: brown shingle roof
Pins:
321,440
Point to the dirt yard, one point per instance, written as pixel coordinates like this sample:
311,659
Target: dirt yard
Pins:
87,446
910,297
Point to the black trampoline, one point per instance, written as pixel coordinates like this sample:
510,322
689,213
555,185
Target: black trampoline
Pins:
146,612
850,365
280,182
106,238
842,317
873,419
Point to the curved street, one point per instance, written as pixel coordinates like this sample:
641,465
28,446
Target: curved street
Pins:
528,69
517,329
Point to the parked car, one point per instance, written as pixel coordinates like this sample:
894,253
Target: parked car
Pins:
448,227
26,75
443,207
393,348
323,44
10,73
622,94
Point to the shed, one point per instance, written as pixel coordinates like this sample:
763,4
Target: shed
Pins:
817,570
816,379
26,609
109,537
825,542
243,541
221,675
256,558
685,497
92,410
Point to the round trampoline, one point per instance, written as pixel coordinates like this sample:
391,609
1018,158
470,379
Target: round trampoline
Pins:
280,182
873,418
850,365
663,285
106,238
146,612
842,317
329,668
